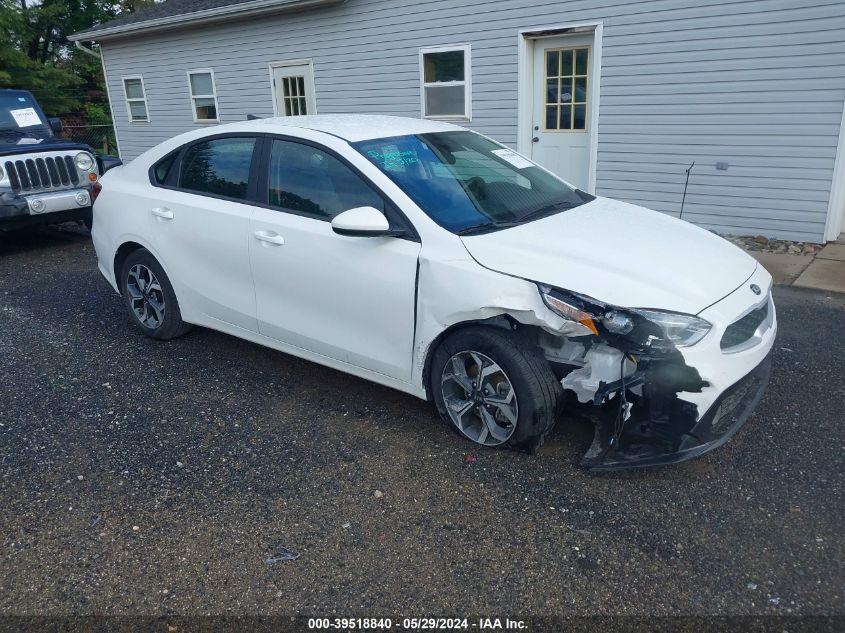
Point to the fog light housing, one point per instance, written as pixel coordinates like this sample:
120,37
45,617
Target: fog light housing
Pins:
82,199
36,205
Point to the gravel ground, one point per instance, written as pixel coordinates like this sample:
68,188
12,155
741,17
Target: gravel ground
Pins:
763,244
139,477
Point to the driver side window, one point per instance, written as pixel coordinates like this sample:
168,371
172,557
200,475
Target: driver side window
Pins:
307,181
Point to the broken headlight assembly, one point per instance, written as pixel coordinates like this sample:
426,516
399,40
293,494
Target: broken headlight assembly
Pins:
633,329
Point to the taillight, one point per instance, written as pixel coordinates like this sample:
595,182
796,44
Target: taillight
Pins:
96,188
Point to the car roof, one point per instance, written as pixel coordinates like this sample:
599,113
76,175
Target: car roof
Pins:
355,127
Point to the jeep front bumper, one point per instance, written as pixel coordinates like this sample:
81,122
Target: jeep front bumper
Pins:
46,207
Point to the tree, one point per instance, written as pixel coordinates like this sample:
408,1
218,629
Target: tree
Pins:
35,53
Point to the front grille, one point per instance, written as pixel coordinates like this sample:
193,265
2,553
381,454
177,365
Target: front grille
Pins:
36,174
742,330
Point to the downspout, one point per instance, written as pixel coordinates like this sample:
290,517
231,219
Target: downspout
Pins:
89,51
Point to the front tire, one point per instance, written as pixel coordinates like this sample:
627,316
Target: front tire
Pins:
149,297
494,390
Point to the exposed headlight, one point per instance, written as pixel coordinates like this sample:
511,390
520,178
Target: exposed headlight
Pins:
644,329
84,161
682,330
572,307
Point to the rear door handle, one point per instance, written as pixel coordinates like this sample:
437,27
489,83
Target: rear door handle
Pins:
163,212
269,237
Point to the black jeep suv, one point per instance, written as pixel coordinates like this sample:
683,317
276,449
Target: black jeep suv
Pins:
44,179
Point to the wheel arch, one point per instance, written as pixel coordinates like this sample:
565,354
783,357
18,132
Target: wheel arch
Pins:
502,321
123,251
129,245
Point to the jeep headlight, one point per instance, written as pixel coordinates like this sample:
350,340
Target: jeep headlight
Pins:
642,329
84,161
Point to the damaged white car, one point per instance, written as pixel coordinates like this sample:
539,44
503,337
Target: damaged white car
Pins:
431,259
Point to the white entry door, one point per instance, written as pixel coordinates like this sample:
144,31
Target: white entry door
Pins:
561,129
293,87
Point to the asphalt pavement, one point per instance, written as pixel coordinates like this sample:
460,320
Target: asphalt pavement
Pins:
208,475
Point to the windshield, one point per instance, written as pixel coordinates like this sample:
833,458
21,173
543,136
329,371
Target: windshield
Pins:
467,183
20,113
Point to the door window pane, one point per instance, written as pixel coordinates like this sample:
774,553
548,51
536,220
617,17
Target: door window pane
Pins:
579,121
552,63
567,63
566,107
220,167
304,179
293,95
581,61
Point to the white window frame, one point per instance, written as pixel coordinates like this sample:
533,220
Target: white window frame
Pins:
466,117
213,95
128,100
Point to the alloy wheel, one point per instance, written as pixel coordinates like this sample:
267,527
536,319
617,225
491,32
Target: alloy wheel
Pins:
146,296
479,398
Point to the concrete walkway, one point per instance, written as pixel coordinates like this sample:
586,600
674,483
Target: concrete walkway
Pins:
824,271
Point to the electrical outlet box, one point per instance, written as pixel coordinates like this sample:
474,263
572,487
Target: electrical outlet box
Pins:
722,165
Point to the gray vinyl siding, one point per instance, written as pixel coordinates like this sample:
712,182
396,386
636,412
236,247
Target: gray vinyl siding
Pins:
758,84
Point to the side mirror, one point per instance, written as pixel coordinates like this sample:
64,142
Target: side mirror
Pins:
56,124
108,162
363,222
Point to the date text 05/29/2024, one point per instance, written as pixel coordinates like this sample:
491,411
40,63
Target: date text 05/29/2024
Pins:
416,624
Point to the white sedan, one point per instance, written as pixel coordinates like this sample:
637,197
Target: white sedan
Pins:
431,259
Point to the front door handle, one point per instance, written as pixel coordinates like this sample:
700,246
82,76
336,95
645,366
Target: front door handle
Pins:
163,213
269,237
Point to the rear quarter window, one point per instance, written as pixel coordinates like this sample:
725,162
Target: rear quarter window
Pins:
162,168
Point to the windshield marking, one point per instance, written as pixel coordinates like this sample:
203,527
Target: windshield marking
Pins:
466,182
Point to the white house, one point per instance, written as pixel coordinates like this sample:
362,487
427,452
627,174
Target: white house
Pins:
619,97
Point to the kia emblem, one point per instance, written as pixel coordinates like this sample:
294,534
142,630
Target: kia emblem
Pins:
755,289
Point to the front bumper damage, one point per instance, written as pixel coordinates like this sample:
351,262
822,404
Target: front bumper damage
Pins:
664,429
649,408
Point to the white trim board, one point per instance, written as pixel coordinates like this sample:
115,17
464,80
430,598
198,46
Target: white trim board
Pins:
835,223
216,14
111,101
526,39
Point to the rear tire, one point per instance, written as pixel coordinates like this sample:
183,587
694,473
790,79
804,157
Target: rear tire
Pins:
149,297
493,390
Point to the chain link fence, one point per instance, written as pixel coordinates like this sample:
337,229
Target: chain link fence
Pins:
101,136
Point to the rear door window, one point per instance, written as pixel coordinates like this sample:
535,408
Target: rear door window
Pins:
219,167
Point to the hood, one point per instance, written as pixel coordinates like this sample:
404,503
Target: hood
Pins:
620,254
10,145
